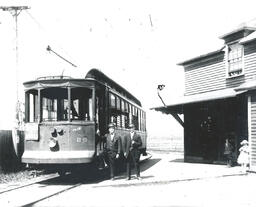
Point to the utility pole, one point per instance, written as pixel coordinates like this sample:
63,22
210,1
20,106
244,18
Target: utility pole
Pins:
15,11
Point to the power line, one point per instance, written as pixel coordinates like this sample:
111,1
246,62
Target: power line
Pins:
34,19
49,38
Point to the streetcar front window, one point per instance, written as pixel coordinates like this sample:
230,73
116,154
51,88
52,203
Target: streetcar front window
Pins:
55,104
32,109
81,104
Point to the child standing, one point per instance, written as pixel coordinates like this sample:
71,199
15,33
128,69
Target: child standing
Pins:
243,158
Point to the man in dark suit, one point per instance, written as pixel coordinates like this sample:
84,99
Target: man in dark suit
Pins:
132,152
112,148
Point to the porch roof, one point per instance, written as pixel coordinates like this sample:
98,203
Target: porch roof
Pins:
177,105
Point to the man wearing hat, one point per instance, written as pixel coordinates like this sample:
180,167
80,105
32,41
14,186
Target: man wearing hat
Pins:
132,152
112,148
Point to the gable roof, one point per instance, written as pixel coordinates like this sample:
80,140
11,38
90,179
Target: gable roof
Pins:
244,31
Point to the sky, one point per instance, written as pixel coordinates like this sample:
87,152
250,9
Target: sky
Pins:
136,43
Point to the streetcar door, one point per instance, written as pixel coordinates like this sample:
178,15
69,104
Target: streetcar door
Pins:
100,111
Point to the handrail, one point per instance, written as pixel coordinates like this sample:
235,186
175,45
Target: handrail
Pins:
54,77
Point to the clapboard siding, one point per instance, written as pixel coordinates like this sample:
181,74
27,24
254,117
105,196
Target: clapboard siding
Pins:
209,74
235,82
250,60
253,130
205,77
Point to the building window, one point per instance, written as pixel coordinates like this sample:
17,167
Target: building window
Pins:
234,60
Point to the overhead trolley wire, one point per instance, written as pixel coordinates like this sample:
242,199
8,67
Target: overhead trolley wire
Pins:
46,32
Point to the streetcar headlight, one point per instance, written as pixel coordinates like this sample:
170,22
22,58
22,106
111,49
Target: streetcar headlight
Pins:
52,142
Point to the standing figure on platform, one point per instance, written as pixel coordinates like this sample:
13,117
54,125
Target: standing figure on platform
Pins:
243,158
99,155
112,148
229,151
132,152
209,139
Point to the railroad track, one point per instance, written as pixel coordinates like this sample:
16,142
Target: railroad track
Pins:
38,190
29,194
32,181
49,177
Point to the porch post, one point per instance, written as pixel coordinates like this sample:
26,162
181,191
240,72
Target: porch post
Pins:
69,103
249,109
40,113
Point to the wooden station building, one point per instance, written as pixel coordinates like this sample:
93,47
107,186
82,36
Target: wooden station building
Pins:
220,99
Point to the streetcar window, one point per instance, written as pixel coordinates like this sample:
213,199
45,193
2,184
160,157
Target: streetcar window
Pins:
135,117
97,106
130,113
118,103
31,104
118,112
144,120
126,107
125,114
112,104
139,119
112,101
49,109
118,120
55,104
81,104
122,106
115,110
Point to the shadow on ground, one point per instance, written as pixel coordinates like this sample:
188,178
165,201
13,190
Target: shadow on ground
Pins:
92,175
178,160
148,164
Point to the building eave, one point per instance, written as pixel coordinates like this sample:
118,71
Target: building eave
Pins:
201,57
236,31
177,105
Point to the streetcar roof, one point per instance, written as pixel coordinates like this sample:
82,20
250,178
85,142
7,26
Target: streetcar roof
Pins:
103,78
47,83
92,75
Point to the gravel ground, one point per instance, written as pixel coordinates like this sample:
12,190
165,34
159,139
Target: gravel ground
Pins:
20,176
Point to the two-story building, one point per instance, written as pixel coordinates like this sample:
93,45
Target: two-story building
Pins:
220,99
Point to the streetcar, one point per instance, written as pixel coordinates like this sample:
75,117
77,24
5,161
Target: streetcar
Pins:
63,116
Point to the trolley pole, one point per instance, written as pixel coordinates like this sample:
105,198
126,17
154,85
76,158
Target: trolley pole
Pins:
15,11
